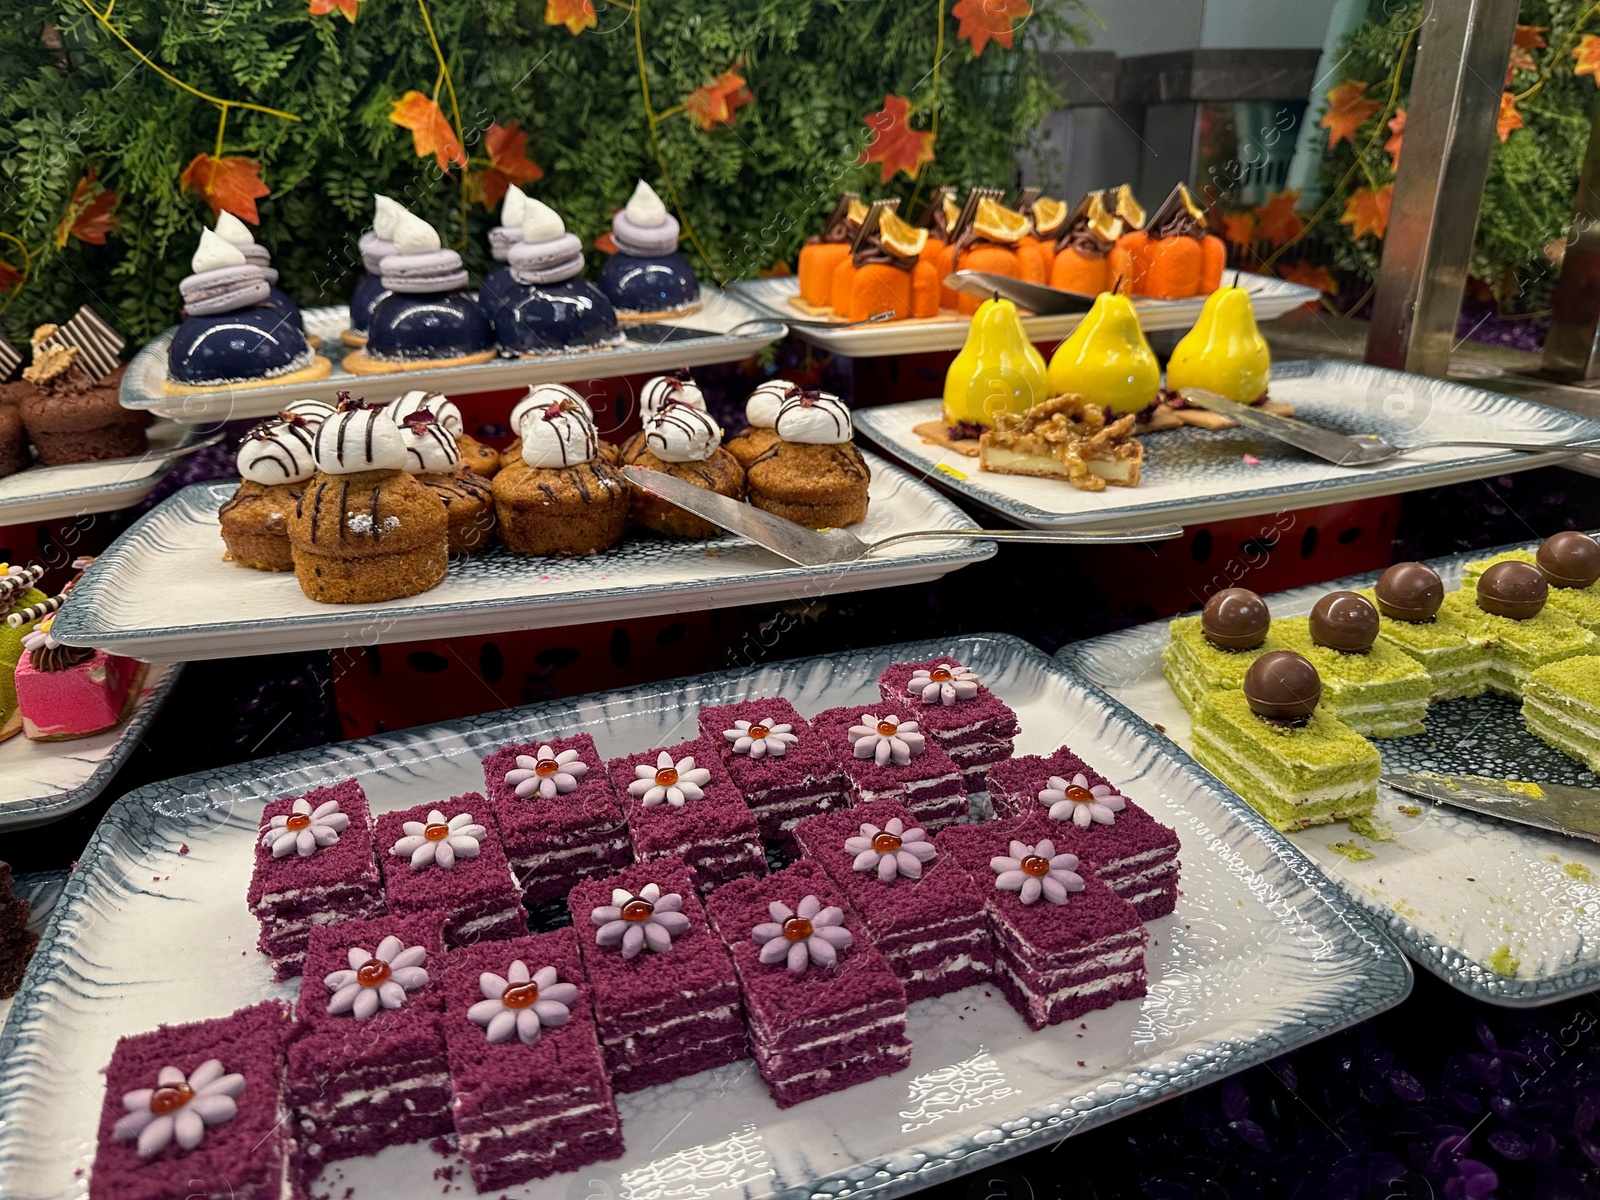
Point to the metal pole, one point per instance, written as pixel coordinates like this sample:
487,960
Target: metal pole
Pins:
1572,347
1462,51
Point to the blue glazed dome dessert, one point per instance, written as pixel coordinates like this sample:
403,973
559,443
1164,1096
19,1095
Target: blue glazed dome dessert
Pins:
501,238
550,308
647,278
376,244
426,320
236,233
232,334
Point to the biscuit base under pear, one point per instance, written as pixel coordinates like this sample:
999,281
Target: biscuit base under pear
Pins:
1163,417
255,524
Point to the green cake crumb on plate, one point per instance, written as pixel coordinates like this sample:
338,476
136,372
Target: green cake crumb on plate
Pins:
1193,666
1293,775
1374,829
1578,604
1380,694
1456,666
1577,871
1503,962
1351,850
1561,706
1513,648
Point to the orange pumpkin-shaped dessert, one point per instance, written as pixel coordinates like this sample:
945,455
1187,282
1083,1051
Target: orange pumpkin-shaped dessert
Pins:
823,252
1179,258
888,274
1082,259
1047,217
993,244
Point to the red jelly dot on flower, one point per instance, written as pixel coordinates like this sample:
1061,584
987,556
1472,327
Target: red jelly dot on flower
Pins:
372,972
888,728
797,929
939,675
546,766
759,731
170,1098
1079,795
637,910
520,995
884,842
436,833
298,822
666,777
1032,864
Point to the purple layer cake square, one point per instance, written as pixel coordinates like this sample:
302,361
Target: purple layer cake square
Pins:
314,864
558,817
196,1110
1065,799
973,725
927,782
368,1070
447,858
681,802
821,1028
529,1094
1054,961
922,911
666,1000
777,761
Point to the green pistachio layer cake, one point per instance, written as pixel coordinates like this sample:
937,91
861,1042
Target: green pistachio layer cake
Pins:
1515,648
1193,666
1380,694
1294,776
1579,604
1561,705
1453,663
11,647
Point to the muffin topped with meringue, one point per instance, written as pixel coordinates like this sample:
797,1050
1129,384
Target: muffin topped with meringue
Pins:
548,307
685,442
811,473
539,398
275,463
761,411
559,496
475,456
647,278
434,460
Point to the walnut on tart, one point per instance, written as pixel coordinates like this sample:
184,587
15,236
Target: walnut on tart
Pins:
1064,438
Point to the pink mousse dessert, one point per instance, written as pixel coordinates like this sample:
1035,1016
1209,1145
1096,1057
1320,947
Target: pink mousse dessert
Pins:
66,692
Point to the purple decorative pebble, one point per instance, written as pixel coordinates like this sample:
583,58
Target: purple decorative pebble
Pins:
780,790
242,1157
930,785
478,895
975,732
932,929
524,1111
661,1015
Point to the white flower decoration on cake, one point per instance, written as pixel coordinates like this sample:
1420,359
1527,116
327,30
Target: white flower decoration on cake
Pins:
805,934
522,1002
761,738
377,979
438,841
1034,871
179,1109
304,830
887,739
669,782
944,683
635,922
892,850
546,774
1074,800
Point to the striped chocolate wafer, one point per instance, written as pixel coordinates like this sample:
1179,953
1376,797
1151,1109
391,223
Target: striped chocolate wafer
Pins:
10,361
99,346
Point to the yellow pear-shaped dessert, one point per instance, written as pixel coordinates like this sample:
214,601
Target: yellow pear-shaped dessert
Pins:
998,370
1107,360
1224,353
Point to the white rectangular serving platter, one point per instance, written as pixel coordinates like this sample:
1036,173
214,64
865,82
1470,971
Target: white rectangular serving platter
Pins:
1262,955
161,592
44,781
737,331
948,331
1195,475
1466,897
41,493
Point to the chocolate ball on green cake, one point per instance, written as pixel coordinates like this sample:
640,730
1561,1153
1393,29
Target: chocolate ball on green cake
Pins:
1344,621
1512,589
1570,560
1282,686
1409,591
1235,619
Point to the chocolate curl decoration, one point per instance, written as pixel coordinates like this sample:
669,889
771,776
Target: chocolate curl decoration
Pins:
33,612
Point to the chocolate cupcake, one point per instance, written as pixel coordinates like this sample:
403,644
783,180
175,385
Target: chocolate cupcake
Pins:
376,244
549,308
647,278
558,498
364,530
475,456
275,461
539,398
13,440
686,443
71,417
434,459
761,410
812,474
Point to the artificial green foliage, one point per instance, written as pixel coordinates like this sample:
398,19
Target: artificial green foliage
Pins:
71,95
1533,174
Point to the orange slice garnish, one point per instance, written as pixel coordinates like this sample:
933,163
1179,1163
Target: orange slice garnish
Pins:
998,223
1048,213
900,237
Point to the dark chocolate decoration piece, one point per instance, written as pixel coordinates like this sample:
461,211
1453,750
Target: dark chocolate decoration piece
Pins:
1235,619
1512,589
1570,560
1282,686
1409,591
1344,621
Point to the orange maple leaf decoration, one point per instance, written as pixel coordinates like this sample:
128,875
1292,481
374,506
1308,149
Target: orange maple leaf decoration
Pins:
984,20
88,216
1397,134
1510,118
1347,108
508,163
430,131
1276,220
1309,275
576,15
1240,228
715,103
9,276
228,184
1524,41
321,8
1587,53
1367,211
894,144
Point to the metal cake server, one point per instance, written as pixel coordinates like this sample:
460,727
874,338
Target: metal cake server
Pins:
837,547
1553,807
1035,297
1358,450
